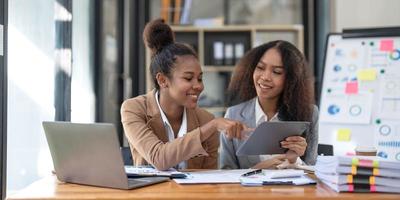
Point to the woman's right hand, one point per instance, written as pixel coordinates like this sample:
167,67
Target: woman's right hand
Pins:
271,163
231,128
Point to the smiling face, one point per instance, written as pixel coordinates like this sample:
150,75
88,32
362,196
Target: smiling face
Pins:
186,81
269,76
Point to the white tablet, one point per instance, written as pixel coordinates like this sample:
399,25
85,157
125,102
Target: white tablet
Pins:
268,135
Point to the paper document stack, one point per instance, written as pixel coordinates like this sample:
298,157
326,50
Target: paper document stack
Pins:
359,173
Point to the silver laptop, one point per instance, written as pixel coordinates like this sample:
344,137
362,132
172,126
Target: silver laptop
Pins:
89,154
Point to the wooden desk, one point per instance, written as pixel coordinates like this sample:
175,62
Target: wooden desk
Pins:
50,188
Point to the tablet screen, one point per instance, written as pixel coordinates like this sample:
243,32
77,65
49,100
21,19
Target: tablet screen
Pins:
268,135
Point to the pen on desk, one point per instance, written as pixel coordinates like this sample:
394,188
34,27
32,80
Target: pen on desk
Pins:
252,172
277,182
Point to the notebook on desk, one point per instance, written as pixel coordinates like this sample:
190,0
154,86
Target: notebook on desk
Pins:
89,154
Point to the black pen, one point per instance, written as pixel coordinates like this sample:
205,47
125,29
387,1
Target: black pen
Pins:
277,182
257,171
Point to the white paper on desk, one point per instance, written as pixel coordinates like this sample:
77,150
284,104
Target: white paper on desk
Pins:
213,176
265,177
310,168
282,173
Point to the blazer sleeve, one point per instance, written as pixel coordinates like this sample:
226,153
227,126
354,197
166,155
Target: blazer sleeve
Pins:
212,145
228,159
161,155
312,140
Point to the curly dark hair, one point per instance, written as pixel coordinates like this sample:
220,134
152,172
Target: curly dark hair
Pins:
160,38
297,99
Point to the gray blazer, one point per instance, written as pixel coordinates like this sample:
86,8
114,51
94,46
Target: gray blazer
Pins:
245,112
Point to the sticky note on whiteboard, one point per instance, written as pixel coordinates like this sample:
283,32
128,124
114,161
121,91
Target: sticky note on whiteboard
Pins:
386,45
366,75
343,135
351,87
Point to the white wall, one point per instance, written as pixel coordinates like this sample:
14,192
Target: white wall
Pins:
364,13
30,90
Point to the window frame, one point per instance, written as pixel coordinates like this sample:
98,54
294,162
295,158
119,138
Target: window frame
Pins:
3,99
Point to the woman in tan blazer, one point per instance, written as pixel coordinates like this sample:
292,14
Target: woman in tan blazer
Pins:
165,128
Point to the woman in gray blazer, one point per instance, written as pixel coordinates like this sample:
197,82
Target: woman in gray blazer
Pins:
271,83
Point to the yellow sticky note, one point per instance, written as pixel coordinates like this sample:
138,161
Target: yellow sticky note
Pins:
343,135
366,75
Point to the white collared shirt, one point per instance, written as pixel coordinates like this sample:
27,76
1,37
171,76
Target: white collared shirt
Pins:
170,132
262,117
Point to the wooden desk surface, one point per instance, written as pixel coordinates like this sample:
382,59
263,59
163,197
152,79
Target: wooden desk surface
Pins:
50,188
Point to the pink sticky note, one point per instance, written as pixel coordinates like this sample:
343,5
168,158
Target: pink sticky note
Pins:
386,45
350,153
352,87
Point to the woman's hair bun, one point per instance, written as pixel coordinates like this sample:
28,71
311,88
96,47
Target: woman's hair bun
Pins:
157,34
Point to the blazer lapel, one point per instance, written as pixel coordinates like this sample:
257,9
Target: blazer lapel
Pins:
192,120
154,117
248,113
249,118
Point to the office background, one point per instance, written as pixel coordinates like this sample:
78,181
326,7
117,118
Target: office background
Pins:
78,60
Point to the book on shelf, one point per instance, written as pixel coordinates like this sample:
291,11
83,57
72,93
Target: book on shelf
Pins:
228,54
177,11
186,12
171,10
218,53
239,51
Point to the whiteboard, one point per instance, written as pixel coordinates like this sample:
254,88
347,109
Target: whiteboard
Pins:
360,97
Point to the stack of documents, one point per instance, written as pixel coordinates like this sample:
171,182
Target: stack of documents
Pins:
358,173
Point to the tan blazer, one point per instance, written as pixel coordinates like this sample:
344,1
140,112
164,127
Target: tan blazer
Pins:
148,140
